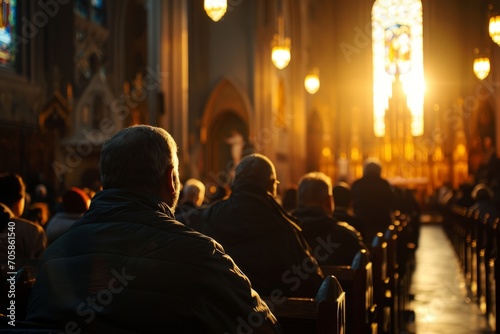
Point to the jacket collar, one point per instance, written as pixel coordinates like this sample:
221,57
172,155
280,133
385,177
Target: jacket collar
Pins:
134,196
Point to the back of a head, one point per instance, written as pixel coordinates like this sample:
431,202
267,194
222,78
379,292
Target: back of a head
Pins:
137,157
314,189
194,191
372,168
12,189
482,192
255,169
75,201
342,194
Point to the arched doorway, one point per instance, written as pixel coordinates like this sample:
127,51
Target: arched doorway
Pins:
225,132
229,133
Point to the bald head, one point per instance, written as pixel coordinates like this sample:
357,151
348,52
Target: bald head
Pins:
256,169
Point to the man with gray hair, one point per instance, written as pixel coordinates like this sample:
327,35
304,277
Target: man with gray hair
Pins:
315,208
257,232
128,266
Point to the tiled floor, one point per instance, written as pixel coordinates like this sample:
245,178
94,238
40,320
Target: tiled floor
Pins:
441,304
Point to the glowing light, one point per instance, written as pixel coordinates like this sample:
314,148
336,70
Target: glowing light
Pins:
494,28
326,152
481,67
215,9
280,54
311,82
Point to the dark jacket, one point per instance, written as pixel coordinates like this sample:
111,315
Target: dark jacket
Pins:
127,264
333,243
373,204
341,214
264,241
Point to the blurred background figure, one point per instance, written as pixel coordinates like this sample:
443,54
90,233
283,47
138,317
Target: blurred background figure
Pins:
343,206
193,198
314,211
483,196
75,202
373,200
289,200
31,240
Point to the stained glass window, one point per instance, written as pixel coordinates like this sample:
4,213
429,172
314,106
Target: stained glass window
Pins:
7,29
398,51
91,9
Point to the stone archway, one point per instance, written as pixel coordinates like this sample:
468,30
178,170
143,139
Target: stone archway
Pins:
226,114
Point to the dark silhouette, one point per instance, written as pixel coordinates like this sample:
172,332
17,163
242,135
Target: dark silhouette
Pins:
343,206
333,243
373,200
30,239
483,195
289,201
259,234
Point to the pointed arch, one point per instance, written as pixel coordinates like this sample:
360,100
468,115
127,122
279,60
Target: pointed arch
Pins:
227,110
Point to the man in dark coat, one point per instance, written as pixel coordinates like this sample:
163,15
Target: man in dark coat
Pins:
373,200
333,242
127,265
259,235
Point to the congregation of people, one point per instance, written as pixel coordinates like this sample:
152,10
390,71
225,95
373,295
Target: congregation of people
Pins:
146,252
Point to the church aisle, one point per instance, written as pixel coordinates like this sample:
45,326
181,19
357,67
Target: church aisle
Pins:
441,304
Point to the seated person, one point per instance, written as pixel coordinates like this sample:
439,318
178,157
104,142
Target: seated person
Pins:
127,265
259,235
333,243
30,239
343,206
75,203
193,196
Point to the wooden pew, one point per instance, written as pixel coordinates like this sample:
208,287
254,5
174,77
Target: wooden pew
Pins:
494,275
324,314
471,219
381,291
357,282
405,254
391,237
491,264
458,233
481,260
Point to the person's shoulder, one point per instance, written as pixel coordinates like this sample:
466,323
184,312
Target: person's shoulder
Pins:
27,224
185,233
190,244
